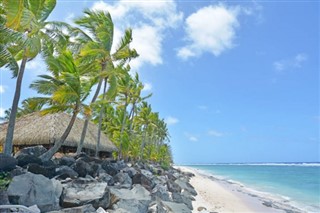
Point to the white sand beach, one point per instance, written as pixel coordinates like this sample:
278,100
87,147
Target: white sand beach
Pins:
221,196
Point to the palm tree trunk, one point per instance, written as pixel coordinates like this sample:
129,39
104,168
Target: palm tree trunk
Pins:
143,142
100,117
48,155
86,122
12,120
122,128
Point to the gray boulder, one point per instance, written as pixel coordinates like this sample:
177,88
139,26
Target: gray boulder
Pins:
7,162
80,209
145,181
104,177
130,171
34,150
123,180
110,168
160,191
178,198
85,191
133,205
170,207
30,189
137,199
173,186
186,186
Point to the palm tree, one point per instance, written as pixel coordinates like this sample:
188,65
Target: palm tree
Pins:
27,18
97,52
65,90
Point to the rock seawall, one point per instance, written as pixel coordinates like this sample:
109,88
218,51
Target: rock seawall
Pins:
86,184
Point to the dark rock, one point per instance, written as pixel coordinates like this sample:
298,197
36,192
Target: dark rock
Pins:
130,171
160,191
95,169
83,156
67,161
178,198
29,189
104,177
123,179
173,187
7,162
4,199
34,150
85,191
110,168
64,172
42,170
24,160
187,194
80,209
81,167
186,186
17,171
143,180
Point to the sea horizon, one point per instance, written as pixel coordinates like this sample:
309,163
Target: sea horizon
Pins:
293,183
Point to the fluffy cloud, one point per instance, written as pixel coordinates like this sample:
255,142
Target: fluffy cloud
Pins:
2,89
215,133
211,29
147,87
171,120
290,63
155,18
37,66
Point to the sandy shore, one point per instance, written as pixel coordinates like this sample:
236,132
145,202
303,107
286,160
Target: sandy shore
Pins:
222,196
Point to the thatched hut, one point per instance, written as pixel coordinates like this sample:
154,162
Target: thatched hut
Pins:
35,129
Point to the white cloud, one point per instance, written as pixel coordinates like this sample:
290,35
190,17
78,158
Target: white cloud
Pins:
211,29
215,133
2,89
148,43
290,63
155,18
171,120
147,87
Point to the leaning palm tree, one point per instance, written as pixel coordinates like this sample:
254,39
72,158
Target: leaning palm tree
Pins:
96,54
65,90
28,19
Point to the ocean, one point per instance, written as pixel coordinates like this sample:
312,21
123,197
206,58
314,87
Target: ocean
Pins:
296,183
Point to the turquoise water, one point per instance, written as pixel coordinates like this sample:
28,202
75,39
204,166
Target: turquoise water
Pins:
300,183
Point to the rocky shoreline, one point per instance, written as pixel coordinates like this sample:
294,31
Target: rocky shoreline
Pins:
85,184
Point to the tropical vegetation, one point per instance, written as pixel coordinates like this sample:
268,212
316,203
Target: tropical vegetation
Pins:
81,66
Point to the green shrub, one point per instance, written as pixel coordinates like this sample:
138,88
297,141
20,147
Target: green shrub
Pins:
4,180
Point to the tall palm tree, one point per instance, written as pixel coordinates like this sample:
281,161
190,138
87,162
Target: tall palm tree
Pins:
28,18
97,51
65,90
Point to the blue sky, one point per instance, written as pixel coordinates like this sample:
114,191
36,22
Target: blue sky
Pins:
236,81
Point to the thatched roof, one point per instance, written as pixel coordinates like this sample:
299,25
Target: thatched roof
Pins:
35,129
